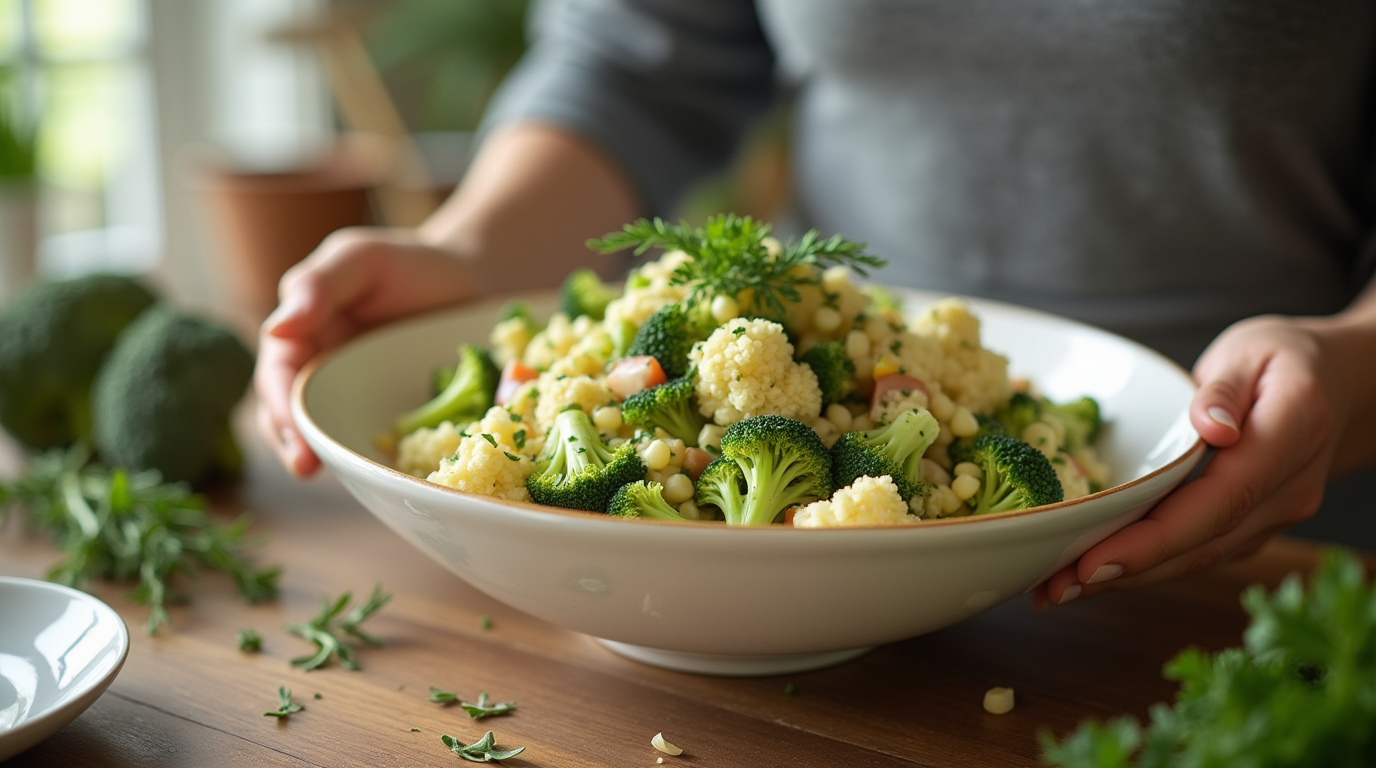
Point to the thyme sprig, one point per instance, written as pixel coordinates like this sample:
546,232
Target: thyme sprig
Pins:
331,629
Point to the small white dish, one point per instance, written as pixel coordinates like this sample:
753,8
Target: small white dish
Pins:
60,648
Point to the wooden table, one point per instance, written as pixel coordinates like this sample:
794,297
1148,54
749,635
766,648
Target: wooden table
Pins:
189,697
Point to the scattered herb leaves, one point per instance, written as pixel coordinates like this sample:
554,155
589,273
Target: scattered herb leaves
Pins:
483,709
484,623
249,640
285,706
331,629
481,751
443,697
1301,690
130,526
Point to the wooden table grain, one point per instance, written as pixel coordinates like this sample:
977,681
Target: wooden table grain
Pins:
189,697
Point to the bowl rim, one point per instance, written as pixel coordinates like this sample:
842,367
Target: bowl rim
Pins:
303,418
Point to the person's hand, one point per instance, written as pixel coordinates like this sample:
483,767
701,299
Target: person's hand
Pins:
357,279
1269,401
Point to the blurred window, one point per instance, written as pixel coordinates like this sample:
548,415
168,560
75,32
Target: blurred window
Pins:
82,69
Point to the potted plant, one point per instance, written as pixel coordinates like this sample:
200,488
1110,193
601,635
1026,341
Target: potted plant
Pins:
18,191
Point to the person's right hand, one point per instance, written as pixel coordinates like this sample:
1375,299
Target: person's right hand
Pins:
358,278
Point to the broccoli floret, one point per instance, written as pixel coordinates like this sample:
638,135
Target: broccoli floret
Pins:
960,447
782,463
671,406
894,450
577,470
722,485
668,336
163,398
1016,475
622,333
466,396
642,499
1079,417
584,293
834,369
517,309
54,336
881,300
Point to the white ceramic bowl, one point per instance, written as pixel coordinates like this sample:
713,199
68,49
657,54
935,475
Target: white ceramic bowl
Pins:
704,597
59,650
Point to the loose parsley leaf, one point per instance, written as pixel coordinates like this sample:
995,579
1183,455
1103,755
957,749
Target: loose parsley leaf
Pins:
130,526
443,697
483,709
484,623
1301,690
731,255
331,628
481,751
249,640
489,438
285,706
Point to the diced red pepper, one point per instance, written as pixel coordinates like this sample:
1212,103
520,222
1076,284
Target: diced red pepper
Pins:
635,374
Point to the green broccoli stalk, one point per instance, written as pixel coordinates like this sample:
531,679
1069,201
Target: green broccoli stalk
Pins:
671,406
834,369
577,470
668,335
782,462
642,499
722,485
467,394
584,293
163,398
894,450
54,336
1016,475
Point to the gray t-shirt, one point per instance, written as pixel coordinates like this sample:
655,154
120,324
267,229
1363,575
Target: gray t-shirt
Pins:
1160,168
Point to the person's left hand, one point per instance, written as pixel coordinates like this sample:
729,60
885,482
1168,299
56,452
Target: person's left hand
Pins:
1269,401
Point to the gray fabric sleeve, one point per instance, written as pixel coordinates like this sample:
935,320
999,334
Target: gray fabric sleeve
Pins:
666,87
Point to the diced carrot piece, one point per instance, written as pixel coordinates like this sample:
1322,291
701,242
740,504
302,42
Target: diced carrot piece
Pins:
635,374
514,374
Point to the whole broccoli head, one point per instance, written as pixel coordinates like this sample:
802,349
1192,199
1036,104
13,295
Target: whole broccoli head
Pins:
671,406
668,335
781,461
468,393
163,398
834,369
894,449
584,293
1016,475
579,471
54,336
642,499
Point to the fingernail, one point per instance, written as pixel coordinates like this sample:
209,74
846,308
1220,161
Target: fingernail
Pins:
1106,572
1070,594
1222,417
284,312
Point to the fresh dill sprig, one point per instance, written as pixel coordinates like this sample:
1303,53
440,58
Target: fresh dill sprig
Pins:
733,256
331,629
117,525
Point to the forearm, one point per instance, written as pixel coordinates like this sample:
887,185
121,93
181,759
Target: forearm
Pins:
1350,345
532,197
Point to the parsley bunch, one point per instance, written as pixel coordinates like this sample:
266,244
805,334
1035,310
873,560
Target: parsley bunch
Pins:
1302,690
730,257
130,526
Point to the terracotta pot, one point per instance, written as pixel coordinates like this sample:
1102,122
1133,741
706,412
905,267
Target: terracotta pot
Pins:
264,222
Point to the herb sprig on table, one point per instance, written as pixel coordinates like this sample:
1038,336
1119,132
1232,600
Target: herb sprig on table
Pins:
731,257
482,708
331,629
285,706
130,526
1302,690
483,750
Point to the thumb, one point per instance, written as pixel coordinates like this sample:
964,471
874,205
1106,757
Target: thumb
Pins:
1227,389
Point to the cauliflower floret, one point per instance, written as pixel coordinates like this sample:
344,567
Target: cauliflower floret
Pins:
490,462
420,452
558,391
649,292
826,310
588,355
510,338
558,339
972,375
746,368
867,501
510,430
